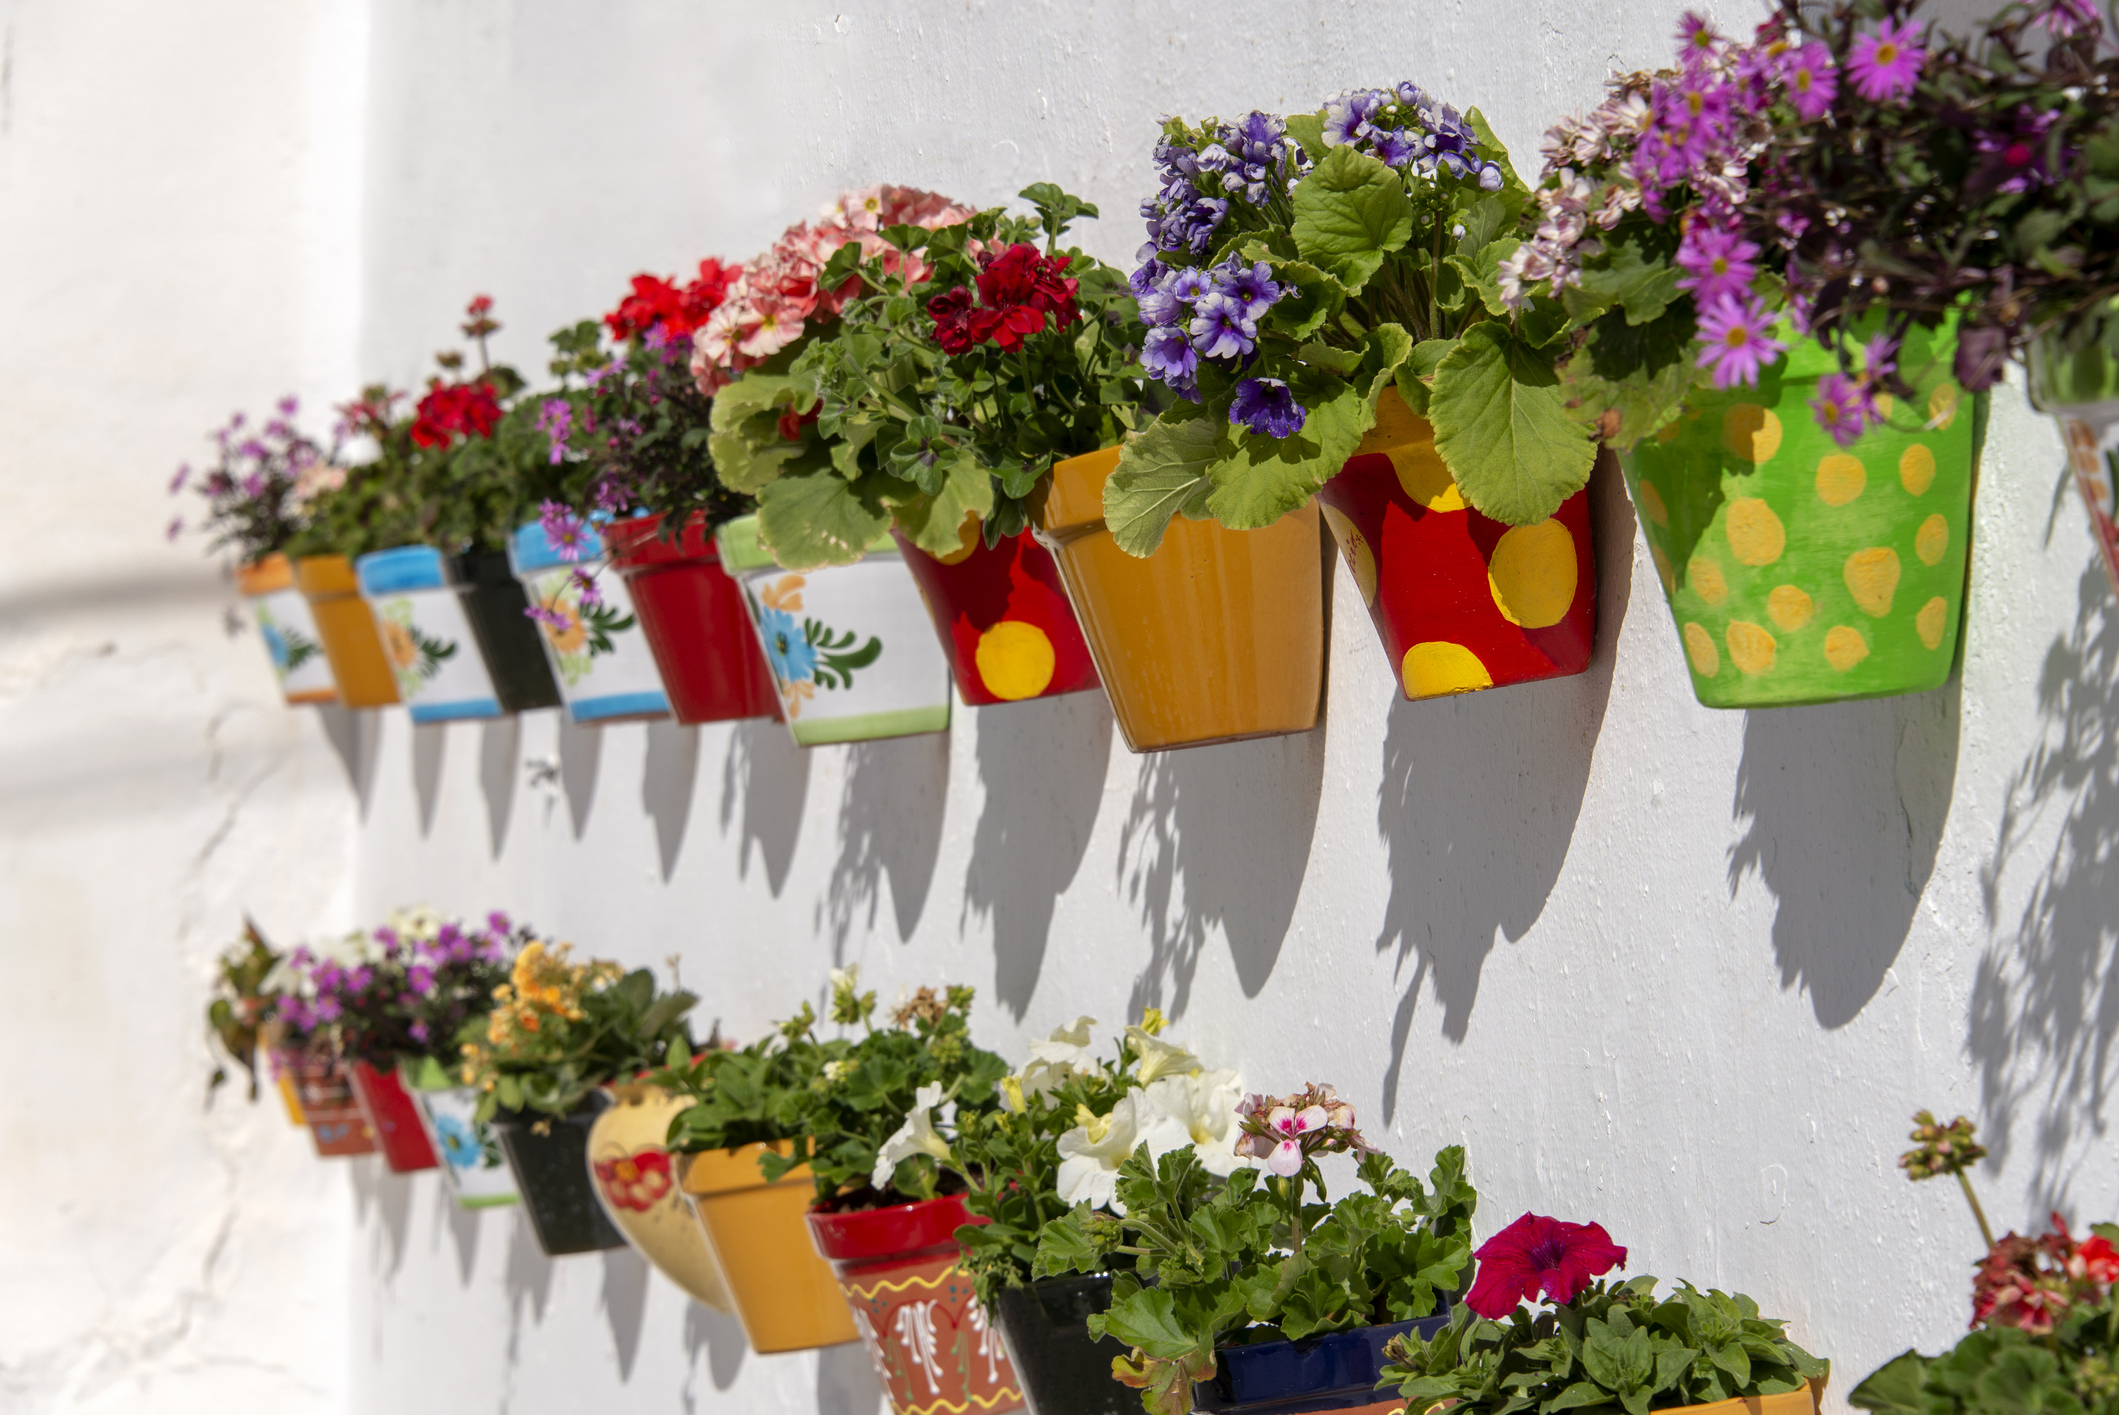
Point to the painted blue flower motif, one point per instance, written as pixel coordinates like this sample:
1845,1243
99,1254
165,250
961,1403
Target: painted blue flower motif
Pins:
275,643
459,1143
793,657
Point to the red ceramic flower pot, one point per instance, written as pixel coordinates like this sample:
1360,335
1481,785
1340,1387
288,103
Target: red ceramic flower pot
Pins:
1461,601
325,1087
934,1350
695,621
1003,618
393,1119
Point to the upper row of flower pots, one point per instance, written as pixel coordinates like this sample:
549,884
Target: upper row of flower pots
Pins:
1770,287
1061,1233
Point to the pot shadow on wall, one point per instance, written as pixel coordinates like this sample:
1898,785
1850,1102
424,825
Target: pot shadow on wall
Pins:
356,738
580,761
2045,999
1843,806
386,1200
499,748
1042,765
430,741
528,1282
667,781
766,776
1479,803
462,1227
1217,839
846,1381
721,1337
624,1304
890,824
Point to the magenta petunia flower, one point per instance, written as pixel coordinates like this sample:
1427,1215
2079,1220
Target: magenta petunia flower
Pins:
1537,1255
1734,341
1811,79
1718,264
1887,64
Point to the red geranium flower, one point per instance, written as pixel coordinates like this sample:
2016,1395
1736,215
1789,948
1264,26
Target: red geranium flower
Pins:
453,409
1019,291
656,302
1536,1254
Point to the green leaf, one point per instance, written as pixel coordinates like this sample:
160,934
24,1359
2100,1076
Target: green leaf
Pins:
1624,278
1307,129
1486,220
1309,298
745,444
1417,374
1503,430
1574,1397
1482,272
819,519
1898,1387
1259,479
1350,212
1148,1319
936,523
1161,472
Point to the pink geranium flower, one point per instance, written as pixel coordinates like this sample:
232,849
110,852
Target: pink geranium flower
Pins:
1887,64
1537,1255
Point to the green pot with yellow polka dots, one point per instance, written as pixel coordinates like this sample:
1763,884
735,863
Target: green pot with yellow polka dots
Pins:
1801,571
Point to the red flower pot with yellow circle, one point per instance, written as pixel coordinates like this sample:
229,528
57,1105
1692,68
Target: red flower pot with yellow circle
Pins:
1460,600
934,1348
1003,618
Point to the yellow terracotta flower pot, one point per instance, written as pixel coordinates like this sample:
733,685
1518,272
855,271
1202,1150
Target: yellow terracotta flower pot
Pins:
1794,1402
785,1295
347,628
1217,636
637,1186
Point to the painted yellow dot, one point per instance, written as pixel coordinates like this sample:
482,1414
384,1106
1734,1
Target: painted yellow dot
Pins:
967,541
1704,574
1652,504
1789,608
1750,432
1916,469
1532,574
1663,570
1360,560
1425,479
1669,431
1933,618
1438,668
1751,648
1942,406
1756,536
1015,660
1885,406
1845,647
1872,578
1840,478
1932,539
1699,647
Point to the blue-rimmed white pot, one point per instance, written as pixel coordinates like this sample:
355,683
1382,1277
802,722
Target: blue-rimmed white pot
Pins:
587,626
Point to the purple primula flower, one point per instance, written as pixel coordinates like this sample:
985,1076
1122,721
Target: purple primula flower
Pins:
1220,330
1885,65
1346,118
1169,356
1718,263
1191,286
1736,342
1250,287
1160,306
1492,178
567,532
1395,149
1268,406
1840,407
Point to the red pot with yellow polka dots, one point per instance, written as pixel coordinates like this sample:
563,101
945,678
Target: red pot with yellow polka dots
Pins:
1460,600
1802,571
1003,618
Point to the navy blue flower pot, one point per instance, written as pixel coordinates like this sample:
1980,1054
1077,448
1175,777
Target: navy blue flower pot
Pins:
1336,1372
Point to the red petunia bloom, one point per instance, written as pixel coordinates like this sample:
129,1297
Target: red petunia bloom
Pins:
1538,1254
450,410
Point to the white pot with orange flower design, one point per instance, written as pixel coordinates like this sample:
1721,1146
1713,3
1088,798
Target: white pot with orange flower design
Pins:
850,646
426,635
637,1186
600,658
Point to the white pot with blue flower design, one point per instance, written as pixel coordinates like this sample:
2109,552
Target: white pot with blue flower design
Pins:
851,646
601,659
469,1151
288,628
427,638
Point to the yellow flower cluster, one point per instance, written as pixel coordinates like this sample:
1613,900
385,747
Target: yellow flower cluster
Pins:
542,990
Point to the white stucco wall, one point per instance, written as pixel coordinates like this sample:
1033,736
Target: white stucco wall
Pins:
1680,971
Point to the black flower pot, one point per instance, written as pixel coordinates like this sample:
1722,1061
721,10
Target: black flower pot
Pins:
507,636
1334,1372
552,1174
1062,1369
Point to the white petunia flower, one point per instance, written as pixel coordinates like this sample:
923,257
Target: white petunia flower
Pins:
1067,1046
1203,1105
1158,1058
917,1136
1092,1152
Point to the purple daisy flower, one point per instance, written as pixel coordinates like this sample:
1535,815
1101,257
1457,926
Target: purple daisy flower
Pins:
1735,342
1718,264
1811,79
1840,407
1887,64
1268,406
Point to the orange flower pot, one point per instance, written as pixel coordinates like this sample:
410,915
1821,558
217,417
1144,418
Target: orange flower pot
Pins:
1216,637
785,1295
1461,601
288,629
347,628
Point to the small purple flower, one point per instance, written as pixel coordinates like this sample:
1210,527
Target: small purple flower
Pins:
497,922
1169,356
567,532
585,585
1696,40
2068,16
1736,342
1811,79
1251,288
555,416
1346,118
176,483
1160,306
1268,406
1841,408
1190,286
1395,149
420,978
1885,65
289,406
547,616
1718,263
1220,329
176,527
419,1029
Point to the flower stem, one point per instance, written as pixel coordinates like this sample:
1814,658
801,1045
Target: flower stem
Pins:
1985,1230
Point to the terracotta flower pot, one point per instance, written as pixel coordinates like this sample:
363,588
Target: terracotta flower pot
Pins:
934,1349
850,646
392,1119
470,1154
1461,601
329,1108
1337,1372
288,629
552,1176
597,652
1216,637
1061,1368
346,627
1003,618
1799,571
2082,391
637,1183
784,1294
695,622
